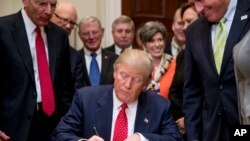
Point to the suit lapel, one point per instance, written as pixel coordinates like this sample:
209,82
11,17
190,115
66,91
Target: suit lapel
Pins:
113,48
103,114
85,72
239,25
143,115
206,42
22,44
105,66
51,50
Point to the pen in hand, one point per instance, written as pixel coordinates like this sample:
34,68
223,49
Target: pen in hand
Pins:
96,131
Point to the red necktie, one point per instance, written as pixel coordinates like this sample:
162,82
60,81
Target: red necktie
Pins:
121,125
47,93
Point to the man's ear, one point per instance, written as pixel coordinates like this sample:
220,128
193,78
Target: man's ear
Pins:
115,72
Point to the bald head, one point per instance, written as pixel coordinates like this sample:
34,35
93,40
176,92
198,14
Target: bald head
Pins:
65,15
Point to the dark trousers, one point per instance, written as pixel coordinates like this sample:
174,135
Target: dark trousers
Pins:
41,126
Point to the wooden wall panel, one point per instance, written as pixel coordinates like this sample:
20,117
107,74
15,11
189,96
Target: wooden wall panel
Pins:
142,11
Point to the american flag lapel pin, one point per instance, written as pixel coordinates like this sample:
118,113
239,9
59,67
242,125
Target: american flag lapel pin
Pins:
146,120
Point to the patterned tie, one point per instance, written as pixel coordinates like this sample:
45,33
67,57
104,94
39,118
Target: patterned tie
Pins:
47,93
121,125
94,73
219,43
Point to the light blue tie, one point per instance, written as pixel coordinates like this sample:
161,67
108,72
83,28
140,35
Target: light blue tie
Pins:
94,73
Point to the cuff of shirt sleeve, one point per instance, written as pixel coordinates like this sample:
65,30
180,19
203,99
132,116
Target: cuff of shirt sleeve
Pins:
82,140
142,137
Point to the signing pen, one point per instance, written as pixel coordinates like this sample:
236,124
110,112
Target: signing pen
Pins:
96,131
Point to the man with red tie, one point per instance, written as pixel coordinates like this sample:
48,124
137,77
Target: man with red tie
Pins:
36,86
122,111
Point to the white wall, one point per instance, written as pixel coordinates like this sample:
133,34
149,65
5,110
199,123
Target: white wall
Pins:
105,10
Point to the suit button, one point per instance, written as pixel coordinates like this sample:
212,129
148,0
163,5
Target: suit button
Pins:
219,113
221,87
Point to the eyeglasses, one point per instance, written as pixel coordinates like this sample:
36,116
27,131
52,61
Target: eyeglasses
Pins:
66,21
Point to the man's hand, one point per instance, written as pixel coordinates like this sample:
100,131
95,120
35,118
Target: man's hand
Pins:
93,138
4,137
181,125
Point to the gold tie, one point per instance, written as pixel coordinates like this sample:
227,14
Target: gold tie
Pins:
219,43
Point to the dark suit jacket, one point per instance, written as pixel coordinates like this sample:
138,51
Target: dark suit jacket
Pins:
110,48
17,85
76,68
108,59
210,99
176,90
168,48
93,107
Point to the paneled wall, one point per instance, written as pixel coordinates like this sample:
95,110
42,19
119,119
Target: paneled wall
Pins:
142,11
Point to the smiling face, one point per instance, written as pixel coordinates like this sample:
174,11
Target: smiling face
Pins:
156,46
212,10
91,34
40,11
177,28
153,35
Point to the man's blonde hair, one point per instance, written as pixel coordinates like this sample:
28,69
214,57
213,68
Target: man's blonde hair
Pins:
138,59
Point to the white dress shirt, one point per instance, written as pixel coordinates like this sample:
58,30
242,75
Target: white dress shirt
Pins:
131,115
31,33
175,48
118,50
88,58
229,19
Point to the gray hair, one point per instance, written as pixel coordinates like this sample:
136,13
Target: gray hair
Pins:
149,29
138,59
90,19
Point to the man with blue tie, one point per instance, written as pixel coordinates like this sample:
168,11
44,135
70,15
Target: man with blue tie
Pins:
122,111
97,62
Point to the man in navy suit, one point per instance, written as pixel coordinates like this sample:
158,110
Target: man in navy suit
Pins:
65,16
95,109
210,96
22,117
123,32
91,33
